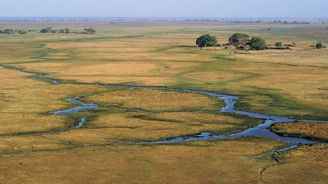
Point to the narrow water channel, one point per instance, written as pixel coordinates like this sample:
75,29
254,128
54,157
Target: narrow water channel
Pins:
261,130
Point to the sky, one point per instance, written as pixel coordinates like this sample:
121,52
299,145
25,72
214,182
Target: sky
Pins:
164,8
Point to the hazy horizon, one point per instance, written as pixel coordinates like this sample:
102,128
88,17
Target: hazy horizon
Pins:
166,8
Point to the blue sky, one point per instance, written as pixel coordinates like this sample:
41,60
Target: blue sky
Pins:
164,8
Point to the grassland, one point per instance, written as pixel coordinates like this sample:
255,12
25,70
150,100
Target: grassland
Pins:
315,131
32,147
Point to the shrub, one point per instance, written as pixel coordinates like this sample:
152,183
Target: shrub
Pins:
257,43
278,44
239,39
319,45
46,30
206,41
89,30
21,32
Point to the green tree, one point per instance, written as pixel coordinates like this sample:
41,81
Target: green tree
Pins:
278,44
46,30
89,30
257,43
239,39
9,31
67,30
319,45
206,41
22,32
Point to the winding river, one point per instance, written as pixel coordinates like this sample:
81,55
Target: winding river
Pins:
261,130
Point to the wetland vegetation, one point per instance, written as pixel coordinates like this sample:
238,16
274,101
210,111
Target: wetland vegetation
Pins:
118,69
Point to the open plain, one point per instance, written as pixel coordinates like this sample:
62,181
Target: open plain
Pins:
115,74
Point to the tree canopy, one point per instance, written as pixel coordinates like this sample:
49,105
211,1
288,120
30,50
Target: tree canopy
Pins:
206,41
239,39
257,43
46,30
89,30
319,45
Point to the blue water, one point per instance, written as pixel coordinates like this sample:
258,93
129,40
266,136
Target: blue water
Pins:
261,130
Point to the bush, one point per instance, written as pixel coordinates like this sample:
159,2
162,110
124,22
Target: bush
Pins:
9,31
206,41
22,32
89,30
319,46
67,31
64,31
278,44
257,43
46,30
239,39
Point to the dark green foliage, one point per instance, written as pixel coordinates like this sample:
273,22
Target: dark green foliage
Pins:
54,31
67,31
278,44
89,30
257,43
46,30
206,41
239,39
13,31
319,45
21,32
8,31
64,31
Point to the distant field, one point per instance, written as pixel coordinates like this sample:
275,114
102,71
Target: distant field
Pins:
39,71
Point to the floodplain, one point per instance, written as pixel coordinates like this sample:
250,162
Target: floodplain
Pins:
110,68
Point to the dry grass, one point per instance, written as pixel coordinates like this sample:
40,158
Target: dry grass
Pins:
307,164
204,162
318,131
291,83
109,128
156,100
24,107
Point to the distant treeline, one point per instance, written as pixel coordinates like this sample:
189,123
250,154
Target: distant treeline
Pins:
250,21
89,30
15,31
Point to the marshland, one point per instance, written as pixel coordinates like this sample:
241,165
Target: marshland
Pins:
139,102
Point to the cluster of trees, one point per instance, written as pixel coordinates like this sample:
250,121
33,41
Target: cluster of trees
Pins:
237,39
244,40
50,30
14,31
89,30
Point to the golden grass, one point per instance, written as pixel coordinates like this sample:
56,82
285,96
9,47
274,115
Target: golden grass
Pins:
290,83
129,72
122,127
156,100
13,144
25,102
307,164
203,162
166,56
302,129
